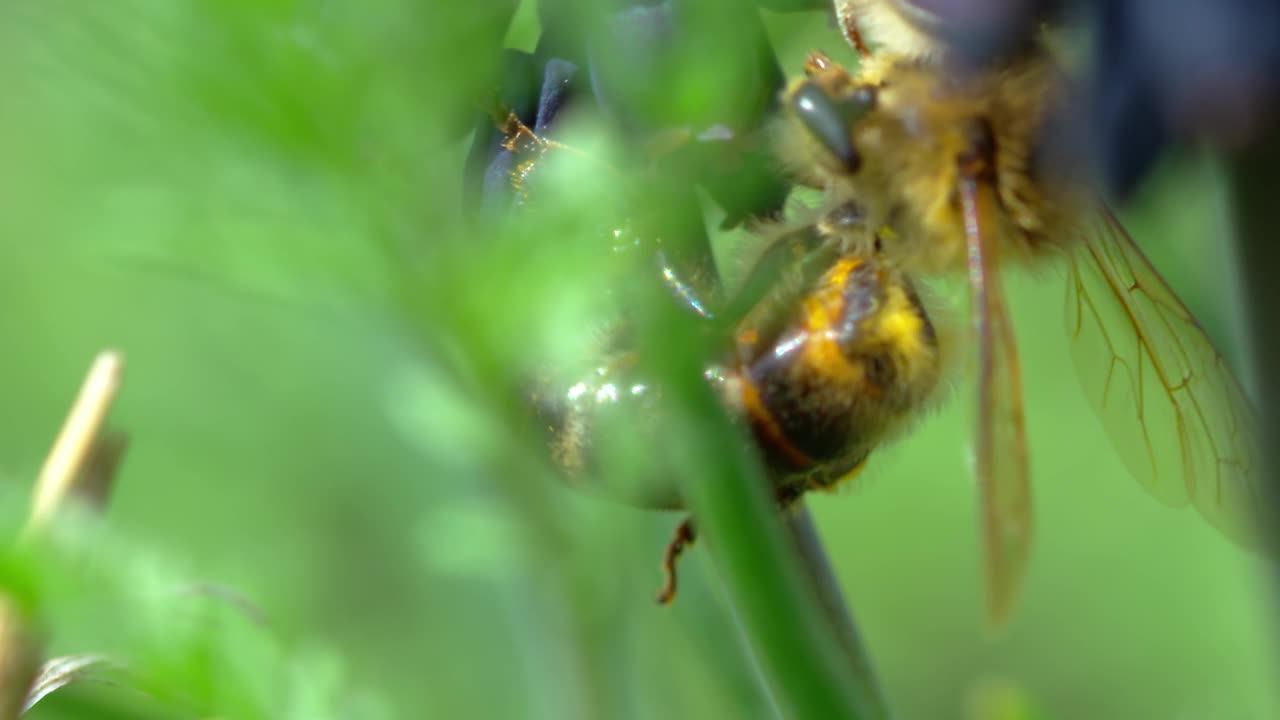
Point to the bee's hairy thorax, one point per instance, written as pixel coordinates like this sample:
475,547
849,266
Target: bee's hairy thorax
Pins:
911,145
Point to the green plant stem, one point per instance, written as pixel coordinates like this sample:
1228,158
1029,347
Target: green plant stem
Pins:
815,562
813,664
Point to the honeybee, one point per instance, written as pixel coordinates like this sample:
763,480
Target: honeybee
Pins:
952,171
928,171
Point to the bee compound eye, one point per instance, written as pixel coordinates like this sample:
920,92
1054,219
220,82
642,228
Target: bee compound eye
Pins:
826,122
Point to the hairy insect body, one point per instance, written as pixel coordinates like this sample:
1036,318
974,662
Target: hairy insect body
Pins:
911,140
963,170
929,170
853,363
838,357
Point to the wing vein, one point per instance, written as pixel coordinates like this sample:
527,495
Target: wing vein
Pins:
1165,386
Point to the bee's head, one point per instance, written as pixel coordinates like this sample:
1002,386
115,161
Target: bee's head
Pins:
829,106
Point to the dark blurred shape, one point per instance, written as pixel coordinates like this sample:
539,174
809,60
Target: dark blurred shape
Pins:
1126,122
101,466
1162,71
677,90
978,29
1189,71
1255,175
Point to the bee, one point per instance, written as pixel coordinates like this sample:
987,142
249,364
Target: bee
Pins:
928,170
952,170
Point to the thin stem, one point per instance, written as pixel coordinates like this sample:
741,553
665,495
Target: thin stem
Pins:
808,653
817,565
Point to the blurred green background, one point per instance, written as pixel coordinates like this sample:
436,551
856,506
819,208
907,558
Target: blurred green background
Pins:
258,202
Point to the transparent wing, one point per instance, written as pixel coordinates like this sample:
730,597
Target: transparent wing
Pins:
1001,463
1166,397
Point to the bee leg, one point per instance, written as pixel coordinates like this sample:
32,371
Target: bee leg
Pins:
787,495
517,137
837,475
523,141
683,536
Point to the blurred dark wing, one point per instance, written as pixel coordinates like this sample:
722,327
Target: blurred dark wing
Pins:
1167,399
1001,444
